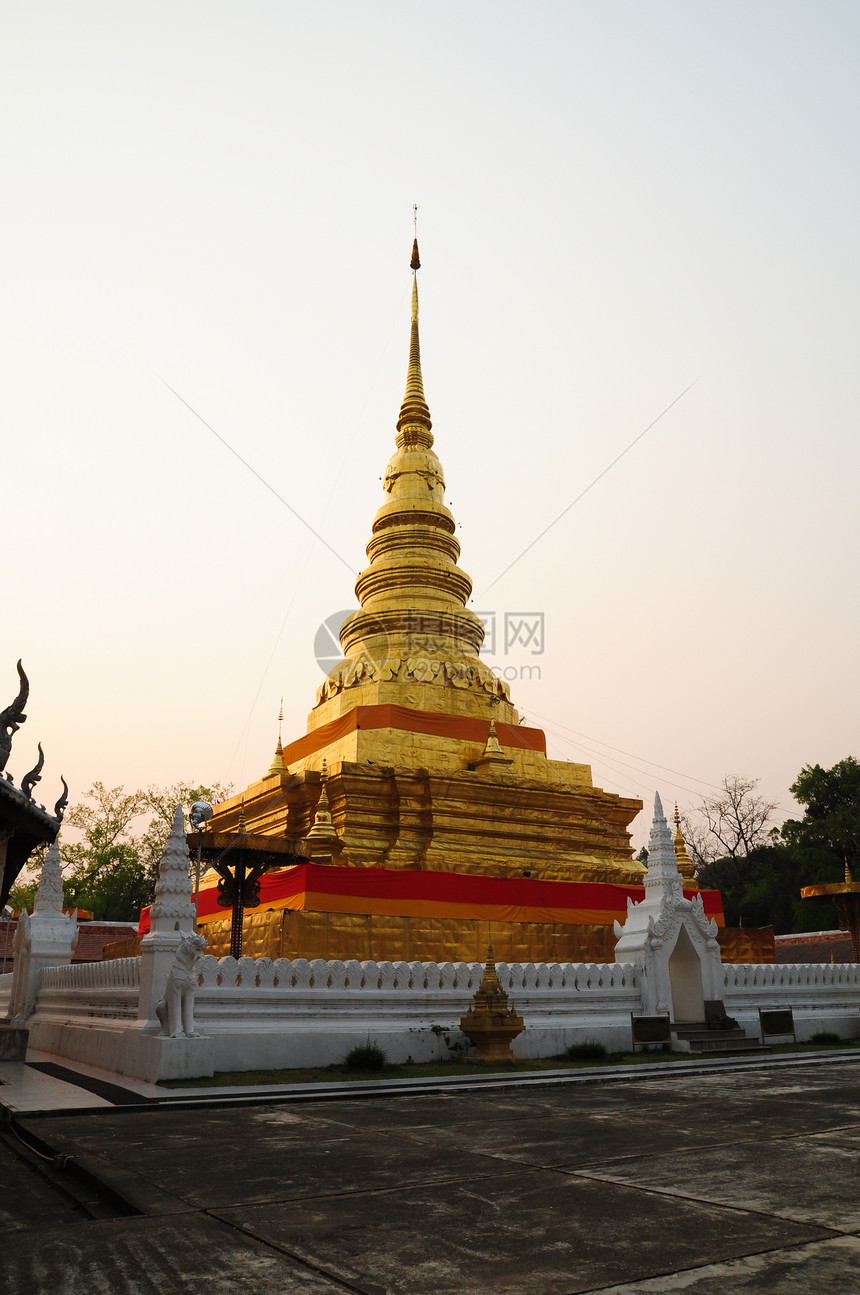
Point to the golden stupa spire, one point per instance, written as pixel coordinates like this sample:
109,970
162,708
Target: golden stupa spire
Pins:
277,765
685,863
413,425
414,626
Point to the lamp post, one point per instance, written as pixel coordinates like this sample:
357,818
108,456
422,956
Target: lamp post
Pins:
201,812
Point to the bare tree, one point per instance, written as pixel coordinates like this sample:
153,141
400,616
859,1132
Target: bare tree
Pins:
730,824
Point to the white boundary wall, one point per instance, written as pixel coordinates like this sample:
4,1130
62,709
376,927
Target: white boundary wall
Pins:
256,1013
311,1013
822,996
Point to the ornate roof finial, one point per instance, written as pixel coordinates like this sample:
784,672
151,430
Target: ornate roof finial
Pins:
12,717
849,879
60,807
29,780
242,828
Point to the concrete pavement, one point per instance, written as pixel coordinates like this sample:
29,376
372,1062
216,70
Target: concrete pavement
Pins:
699,1181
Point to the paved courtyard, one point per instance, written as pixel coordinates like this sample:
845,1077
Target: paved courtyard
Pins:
741,1181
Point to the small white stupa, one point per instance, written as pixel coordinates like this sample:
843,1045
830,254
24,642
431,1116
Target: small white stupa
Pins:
669,937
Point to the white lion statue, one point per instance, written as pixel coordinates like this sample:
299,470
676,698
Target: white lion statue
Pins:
175,1010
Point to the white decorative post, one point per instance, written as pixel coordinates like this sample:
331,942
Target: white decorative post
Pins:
669,937
172,917
47,939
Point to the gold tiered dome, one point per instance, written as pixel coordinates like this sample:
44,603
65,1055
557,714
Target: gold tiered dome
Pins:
416,769
414,638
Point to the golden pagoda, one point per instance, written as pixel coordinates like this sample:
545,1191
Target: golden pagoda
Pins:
428,768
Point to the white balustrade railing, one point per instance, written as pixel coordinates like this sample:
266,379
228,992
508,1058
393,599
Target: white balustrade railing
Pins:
792,975
119,973
285,973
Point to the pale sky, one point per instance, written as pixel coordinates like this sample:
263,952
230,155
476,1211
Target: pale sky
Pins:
616,200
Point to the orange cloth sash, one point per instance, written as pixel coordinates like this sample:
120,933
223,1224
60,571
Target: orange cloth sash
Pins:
413,721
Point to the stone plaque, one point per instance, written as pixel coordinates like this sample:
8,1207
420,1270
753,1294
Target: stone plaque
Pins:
651,1029
777,1021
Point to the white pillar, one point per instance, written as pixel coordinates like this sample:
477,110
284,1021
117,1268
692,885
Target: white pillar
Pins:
47,939
171,916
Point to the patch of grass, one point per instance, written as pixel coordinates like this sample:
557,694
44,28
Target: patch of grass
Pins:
826,1036
368,1057
590,1050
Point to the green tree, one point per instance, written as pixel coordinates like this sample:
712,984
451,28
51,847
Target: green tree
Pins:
763,888
760,882
112,866
831,820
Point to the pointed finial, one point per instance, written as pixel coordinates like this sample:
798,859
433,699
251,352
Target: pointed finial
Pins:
658,807
322,817
49,896
277,765
492,756
677,817
173,908
414,424
242,828
848,878
323,837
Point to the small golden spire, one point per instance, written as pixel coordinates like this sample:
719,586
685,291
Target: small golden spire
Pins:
491,1023
242,828
323,838
685,863
849,880
492,756
277,765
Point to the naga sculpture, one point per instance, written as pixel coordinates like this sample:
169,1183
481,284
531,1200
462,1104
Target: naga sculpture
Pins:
29,780
60,807
13,717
